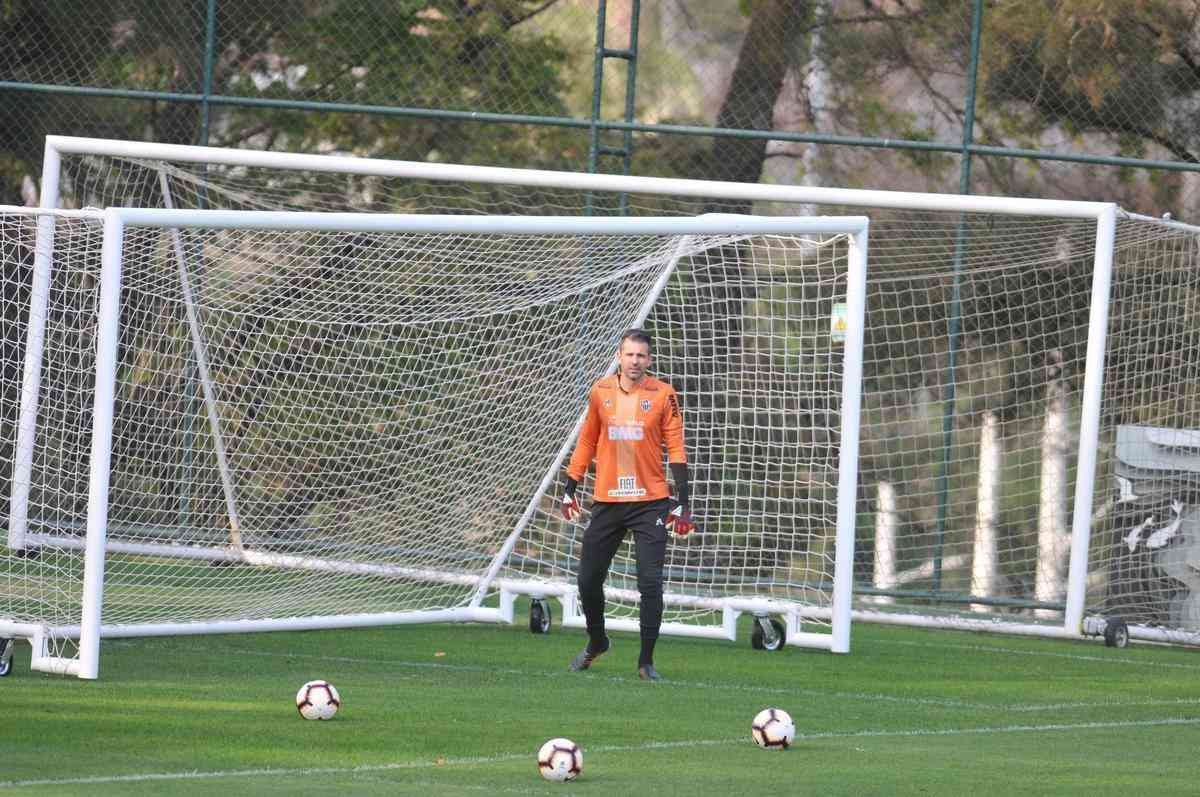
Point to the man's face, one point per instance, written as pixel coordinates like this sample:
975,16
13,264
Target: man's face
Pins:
633,358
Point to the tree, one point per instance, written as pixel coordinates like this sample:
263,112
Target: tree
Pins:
770,49
1130,70
437,54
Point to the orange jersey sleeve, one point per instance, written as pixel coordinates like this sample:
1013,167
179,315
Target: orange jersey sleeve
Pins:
626,432
589,436
672,428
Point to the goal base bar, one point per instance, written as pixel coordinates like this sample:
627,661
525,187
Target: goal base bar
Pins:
313,623
56,665
969,624
509,589
231,555
667,629
40,659
727,630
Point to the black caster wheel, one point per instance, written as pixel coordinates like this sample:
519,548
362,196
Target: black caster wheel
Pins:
6,654
768,634
539,616
1116,633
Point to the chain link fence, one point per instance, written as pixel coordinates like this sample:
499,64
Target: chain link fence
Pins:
1061,98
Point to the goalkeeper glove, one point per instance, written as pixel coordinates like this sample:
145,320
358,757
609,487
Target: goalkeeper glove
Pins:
570,506
679,520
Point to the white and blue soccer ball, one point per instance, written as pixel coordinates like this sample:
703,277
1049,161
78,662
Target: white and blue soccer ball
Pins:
318,700
560,760
773,729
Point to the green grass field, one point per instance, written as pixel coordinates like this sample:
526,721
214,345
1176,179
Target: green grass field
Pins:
448,710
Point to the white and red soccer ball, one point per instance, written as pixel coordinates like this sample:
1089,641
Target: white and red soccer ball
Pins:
560,759
318,700
773,729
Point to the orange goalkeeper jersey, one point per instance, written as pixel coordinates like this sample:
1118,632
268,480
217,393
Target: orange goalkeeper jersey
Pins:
625,434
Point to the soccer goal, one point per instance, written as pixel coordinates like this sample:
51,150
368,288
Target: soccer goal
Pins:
1007,344
253,420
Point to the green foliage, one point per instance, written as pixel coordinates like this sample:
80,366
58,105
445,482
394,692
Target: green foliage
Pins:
1108,66
932,164
425,55
441,55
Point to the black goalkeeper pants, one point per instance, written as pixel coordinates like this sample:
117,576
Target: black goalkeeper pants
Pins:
610,522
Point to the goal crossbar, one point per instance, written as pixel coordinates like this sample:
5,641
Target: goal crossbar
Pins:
57,146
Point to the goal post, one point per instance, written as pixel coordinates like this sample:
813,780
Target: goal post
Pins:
389,399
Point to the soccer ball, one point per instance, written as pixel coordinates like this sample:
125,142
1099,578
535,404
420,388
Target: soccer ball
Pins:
318,700
773,729
560,759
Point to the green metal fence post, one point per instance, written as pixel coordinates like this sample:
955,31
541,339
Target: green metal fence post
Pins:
630,96
955,320
191,372
597,95
629,56
210,38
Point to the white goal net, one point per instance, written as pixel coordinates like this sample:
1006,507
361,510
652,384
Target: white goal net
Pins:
288,420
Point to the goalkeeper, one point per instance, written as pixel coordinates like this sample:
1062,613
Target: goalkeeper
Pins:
630,417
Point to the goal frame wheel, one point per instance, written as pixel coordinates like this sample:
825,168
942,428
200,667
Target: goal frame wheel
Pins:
539,616
768,633
6,654
1116,633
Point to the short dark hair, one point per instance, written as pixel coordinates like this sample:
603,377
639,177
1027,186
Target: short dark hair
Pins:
638,335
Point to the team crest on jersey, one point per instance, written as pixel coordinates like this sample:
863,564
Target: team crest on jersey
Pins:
608,404
645,405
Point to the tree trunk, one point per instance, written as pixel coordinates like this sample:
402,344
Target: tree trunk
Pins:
1054,541
887,523
985,563
768,51
818,86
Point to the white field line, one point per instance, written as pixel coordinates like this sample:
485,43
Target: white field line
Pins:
723,687
1179,702
491,788
1147,663
293,772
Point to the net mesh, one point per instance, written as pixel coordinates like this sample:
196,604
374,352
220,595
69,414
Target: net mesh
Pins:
1145,552
44,588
